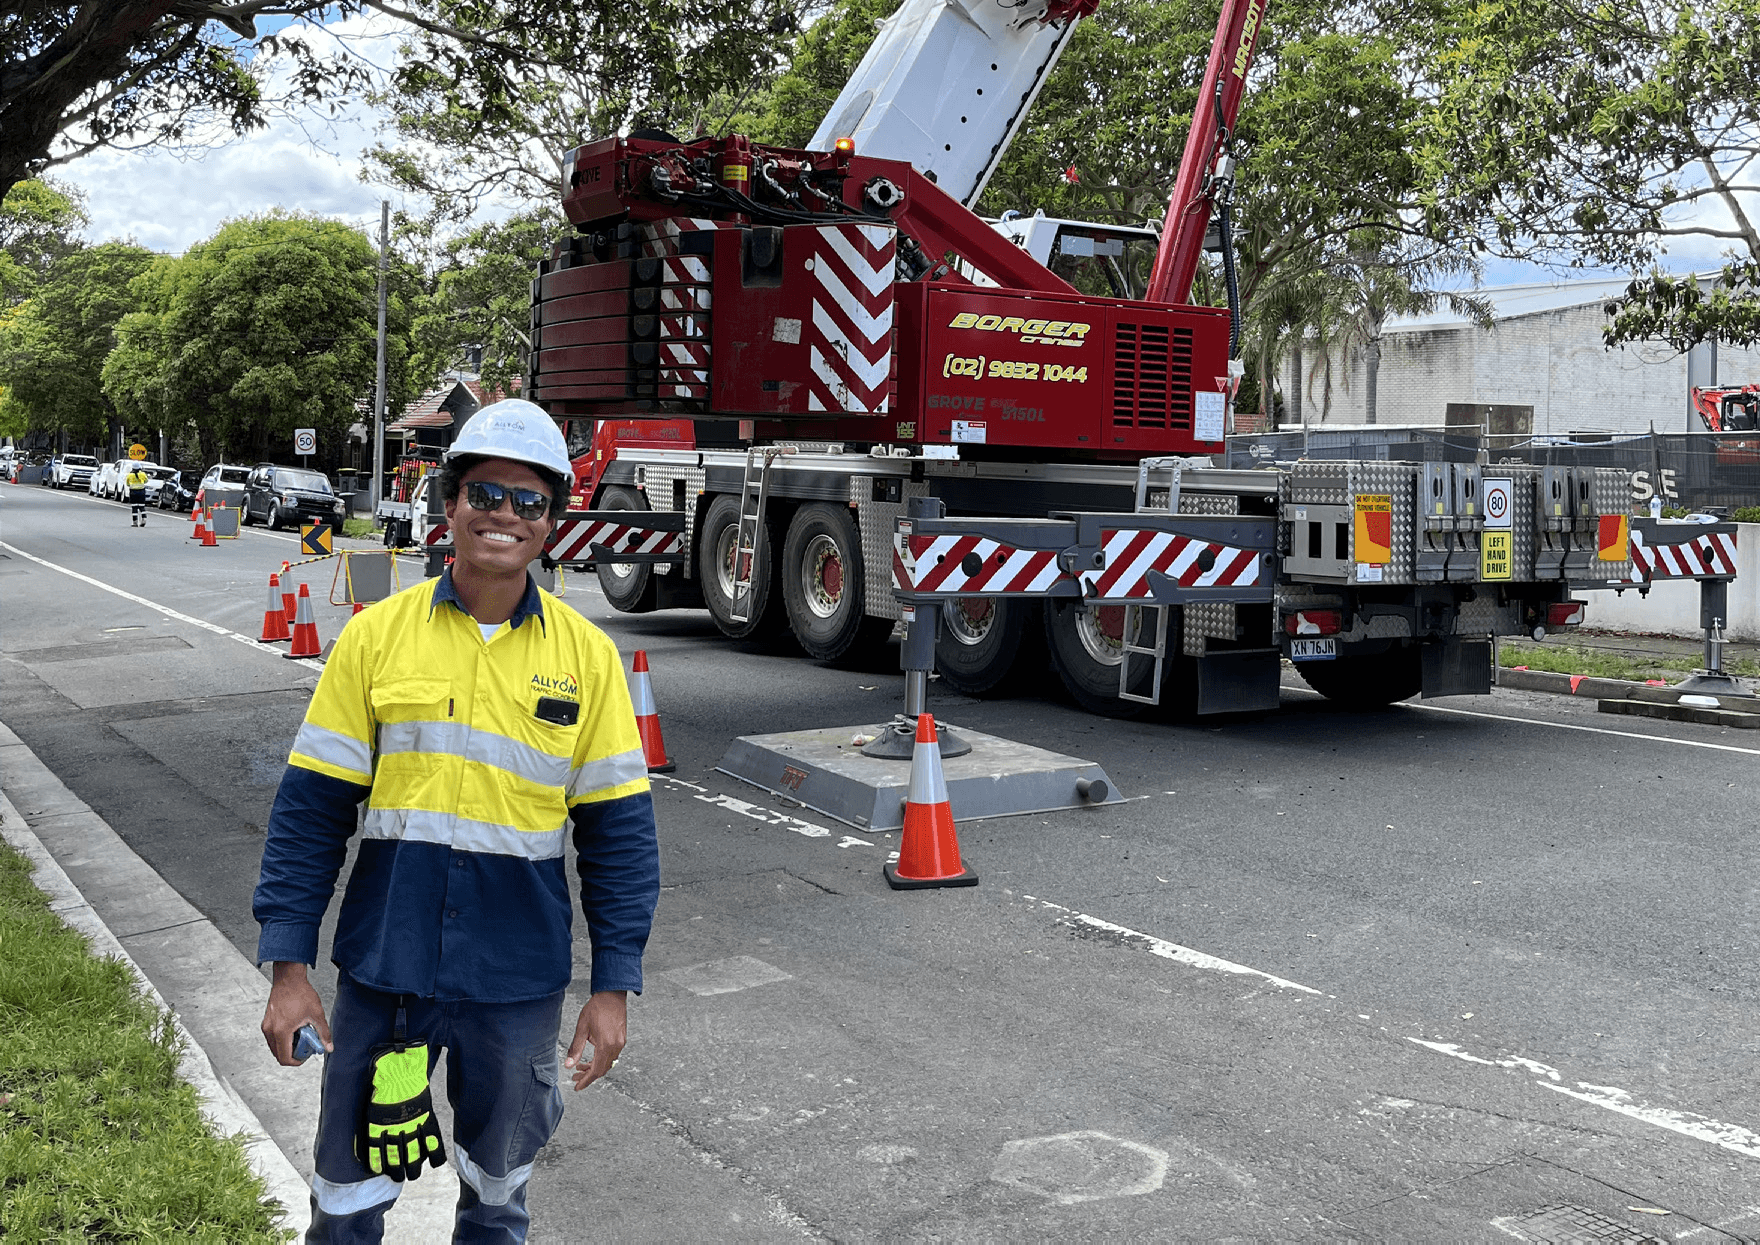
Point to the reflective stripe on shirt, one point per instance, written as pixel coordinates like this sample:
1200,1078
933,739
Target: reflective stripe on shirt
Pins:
484,747
607,772
418,825
334,748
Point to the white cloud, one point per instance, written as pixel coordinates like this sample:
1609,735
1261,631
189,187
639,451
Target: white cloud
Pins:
168,200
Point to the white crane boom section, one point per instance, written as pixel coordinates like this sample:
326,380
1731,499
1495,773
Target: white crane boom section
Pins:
945,85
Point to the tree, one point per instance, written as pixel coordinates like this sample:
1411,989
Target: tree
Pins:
40,222
52,350
268,326
1597,135
463,136
481,300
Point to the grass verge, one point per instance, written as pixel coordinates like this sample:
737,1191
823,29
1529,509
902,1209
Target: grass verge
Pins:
1598,663
99,1139
362,528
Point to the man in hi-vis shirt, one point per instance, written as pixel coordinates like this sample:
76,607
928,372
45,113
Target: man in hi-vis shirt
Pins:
488,728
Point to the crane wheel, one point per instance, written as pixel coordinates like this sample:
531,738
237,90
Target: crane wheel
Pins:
715,571
1367,681
628,586
982,643
1085,644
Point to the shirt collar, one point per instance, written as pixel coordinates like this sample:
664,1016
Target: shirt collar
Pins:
530,606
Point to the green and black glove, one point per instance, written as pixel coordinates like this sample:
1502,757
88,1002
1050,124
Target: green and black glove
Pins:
398,1132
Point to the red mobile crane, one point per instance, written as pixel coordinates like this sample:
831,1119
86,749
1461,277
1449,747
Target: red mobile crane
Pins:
858,355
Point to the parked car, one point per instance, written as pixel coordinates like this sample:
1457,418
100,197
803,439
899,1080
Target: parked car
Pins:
75,469
282,496
173,490
111,481
225,481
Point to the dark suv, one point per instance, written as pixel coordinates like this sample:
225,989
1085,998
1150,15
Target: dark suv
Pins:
282,496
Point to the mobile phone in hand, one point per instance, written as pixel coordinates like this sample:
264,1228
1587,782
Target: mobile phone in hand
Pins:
307,1043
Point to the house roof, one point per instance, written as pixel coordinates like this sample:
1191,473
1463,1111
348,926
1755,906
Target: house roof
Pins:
1525,299
435,408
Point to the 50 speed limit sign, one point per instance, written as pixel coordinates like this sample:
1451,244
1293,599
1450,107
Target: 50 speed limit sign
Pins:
305,440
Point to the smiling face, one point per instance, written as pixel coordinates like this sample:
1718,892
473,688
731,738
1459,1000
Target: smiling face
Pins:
497,543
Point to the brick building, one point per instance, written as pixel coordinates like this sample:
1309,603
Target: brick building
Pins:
1540,369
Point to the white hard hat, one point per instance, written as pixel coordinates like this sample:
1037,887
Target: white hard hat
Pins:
518,430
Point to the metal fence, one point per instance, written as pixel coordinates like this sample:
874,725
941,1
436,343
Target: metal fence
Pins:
1696,470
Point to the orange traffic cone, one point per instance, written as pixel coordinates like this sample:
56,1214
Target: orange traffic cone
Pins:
208,541
200,531
928,850
305,629
289,600
641,694
274,620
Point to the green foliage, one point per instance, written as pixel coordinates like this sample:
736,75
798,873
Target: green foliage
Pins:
268,326
40,222
821,61
99,1140
1746,514
52,350
467,128
1594,135
481,297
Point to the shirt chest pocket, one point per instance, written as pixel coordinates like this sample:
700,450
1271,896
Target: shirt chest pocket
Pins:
415,714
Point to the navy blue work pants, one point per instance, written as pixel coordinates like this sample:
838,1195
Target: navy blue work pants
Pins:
501,1081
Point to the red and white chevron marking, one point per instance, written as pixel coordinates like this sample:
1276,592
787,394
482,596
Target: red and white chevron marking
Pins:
936,565
660,240
1713,555
684,298
1132,553
574,539
850,334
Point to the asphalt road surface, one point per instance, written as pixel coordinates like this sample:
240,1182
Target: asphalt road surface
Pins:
1476,969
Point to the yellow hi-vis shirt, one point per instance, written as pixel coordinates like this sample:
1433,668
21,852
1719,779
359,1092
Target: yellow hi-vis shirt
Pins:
476,752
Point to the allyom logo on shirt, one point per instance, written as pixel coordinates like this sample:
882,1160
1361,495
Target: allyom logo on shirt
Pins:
562,685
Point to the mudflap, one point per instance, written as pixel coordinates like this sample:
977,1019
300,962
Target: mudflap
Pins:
675,592
1456,667
1238,682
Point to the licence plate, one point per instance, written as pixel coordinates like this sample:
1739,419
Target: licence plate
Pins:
1313,650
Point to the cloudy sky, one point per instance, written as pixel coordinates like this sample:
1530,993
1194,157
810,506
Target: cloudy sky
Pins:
167,200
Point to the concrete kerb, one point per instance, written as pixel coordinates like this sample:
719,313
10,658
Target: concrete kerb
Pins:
227,1113
216,995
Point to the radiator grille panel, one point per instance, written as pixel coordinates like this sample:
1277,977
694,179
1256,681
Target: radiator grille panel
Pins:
1152,376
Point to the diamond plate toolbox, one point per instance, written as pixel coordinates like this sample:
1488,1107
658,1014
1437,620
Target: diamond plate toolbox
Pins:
1351,522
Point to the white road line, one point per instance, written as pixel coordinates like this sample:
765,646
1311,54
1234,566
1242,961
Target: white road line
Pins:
311,663
1169,950
1593,730
766,815
1562,726
1611,1098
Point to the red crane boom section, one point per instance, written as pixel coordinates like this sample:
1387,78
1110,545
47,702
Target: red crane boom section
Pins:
1188,210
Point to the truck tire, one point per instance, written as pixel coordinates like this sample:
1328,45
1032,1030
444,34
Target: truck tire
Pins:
715,571
628,586
824,591
981,643
1368,681
1085,646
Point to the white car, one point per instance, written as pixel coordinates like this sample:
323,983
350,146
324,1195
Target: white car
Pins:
71,469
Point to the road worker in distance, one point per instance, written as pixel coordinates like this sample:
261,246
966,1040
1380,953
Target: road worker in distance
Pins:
488,727
136,483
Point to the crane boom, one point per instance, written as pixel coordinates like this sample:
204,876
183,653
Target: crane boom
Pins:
1219,102
946,83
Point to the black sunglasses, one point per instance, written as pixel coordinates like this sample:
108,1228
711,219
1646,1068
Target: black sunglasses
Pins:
527,503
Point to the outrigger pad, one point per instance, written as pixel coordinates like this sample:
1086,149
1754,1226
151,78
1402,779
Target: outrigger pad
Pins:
825,771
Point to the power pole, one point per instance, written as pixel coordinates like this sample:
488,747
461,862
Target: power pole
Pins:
379,387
